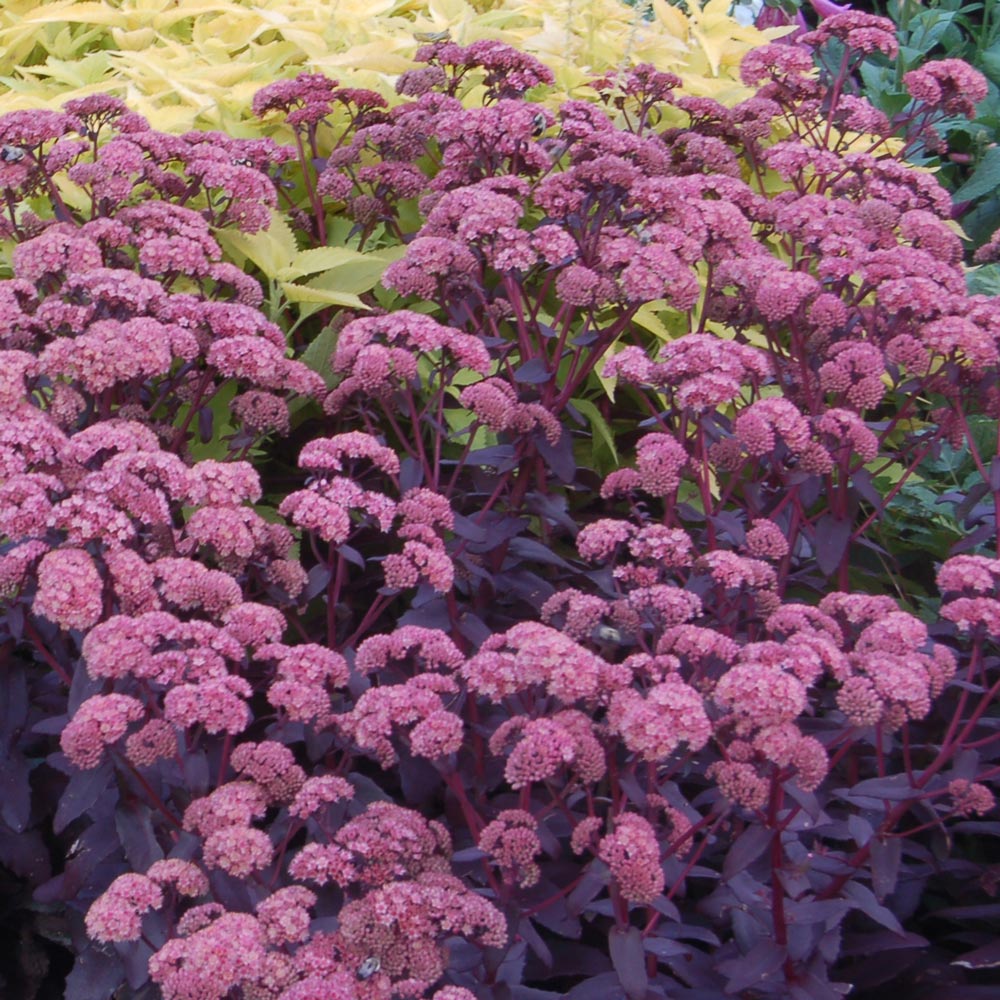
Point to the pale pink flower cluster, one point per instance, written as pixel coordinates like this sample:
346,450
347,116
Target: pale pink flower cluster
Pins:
700,370
423,649
404,924
575,613
319,792
950,84
653,727
99,722
977,580
971,797
511,841
417,707
632,852
304,678
424,559
495,404
116,915
212,960
531,654
69,589
154,741
384,843
540,748
377,353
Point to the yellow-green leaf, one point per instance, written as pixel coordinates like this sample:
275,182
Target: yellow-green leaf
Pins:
321,296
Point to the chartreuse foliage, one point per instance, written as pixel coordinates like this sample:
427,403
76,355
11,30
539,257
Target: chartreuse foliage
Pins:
197,64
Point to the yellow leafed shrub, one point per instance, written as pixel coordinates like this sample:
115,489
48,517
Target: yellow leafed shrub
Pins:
197,63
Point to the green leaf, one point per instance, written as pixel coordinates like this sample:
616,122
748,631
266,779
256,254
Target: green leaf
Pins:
272,249
317,355
989,62
984,180
598,426
319,259
320,296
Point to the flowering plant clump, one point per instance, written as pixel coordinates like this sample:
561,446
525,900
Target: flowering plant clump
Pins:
564,661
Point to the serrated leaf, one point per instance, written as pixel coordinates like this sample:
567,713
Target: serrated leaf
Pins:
320,259
272,249
304,293
360,272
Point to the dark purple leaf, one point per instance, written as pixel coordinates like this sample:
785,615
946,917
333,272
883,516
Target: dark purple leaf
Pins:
196,776
82,687
134,823
14,620
730,525
15,791
411,474
860,829
588,888
879,941
665,948
974,538
352,555
467,854
26,855
558,457
319,578
527,993
51,726
533,372
749,846
96,973
205,422
558,918
828,912
813,988
83,790
753,968
473,628
885,855
986,957
528,586
531,550
865,901
534,941
690,932
497,529
631,787
605,986
896,787
13,703
629,959
832,537
861,483
135,957
663,905
511,970
469,530
498,456
966,765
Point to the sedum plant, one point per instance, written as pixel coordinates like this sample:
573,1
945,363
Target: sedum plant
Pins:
565,662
